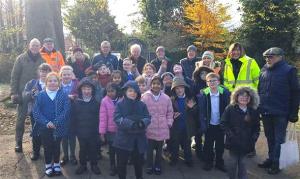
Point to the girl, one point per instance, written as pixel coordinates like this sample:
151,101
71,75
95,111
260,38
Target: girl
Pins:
161,122
84,123
116,78
107,126
148,72
167,79
104,73
69,86
132,118
240,122
51,111
32,89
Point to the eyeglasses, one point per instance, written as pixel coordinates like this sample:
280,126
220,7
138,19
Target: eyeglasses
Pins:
211,81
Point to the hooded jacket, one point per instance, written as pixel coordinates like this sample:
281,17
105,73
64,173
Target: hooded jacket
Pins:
199,84
129,112
161,117
241,128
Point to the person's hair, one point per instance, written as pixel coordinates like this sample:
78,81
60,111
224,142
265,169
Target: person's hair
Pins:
34,40
45,67
126,59
65,68
53,74
236,45
140,80
150,65
116,72
160,48
212,75
156,77
135,46
254,98
105,42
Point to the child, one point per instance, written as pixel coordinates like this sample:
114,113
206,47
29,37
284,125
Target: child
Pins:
32,89
141,81
51,111
69,86
116,78
149,71
84,116
98,89
107,126
132,118
240,121
128,71
184,126
104,74
167,79
161,122
212,102
178,72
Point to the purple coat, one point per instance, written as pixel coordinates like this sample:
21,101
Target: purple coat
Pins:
161,112
106,117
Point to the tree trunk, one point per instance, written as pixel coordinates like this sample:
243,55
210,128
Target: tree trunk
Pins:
43,19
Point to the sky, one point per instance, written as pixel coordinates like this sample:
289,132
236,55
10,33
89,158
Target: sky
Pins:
124,12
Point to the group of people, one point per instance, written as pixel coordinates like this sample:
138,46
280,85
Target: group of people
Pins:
141,108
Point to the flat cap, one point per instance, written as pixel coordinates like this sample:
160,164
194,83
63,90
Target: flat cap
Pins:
48,39
273,51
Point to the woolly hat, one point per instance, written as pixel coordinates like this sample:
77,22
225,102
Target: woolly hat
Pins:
165,74
191,47
177,81
208,54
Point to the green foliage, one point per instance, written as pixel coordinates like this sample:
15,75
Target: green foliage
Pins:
90,21
268,23
6,65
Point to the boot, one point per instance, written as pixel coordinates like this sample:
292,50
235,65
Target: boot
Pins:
95,169
274,169
19,148
266,164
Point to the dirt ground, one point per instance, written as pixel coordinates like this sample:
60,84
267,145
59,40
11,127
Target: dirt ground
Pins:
19,166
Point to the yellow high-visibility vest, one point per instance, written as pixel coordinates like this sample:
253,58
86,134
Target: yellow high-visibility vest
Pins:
248,75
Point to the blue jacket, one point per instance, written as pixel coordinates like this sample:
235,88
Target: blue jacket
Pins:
109,60
279,90
61,112
126,114
204,106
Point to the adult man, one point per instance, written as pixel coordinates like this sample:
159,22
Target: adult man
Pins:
162,59
188,64
51,56
279,95
24,69
239,69
105,56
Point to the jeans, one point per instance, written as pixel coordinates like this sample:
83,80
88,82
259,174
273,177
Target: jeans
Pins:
236,164
275,132
157,146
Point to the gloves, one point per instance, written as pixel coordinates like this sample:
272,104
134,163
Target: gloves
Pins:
141,125
138,125
135,126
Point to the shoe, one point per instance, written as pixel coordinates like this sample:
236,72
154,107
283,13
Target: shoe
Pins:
80,170
34,156
274,169
189,164
64,161
266,164
113,171
73,161
221,167
207,166
57,170
251,154
157,171
19,148
149,170
49,171
95,169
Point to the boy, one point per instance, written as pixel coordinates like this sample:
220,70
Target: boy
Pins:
212,102
141,81
128,71
85,122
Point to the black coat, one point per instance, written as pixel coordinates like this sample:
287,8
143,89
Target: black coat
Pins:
241,128
157,62
85,118
279,90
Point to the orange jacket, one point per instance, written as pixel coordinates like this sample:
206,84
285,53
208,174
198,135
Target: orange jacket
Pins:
54,59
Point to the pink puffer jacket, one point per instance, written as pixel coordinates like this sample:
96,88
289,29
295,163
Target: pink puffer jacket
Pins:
161,112
106,117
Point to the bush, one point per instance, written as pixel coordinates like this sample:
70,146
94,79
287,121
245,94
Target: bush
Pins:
6,65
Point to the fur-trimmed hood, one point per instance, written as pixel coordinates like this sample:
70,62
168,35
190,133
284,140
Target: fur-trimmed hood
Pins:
254,98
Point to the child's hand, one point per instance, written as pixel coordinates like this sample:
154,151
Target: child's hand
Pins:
191,103
176,115
164,64
50,125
